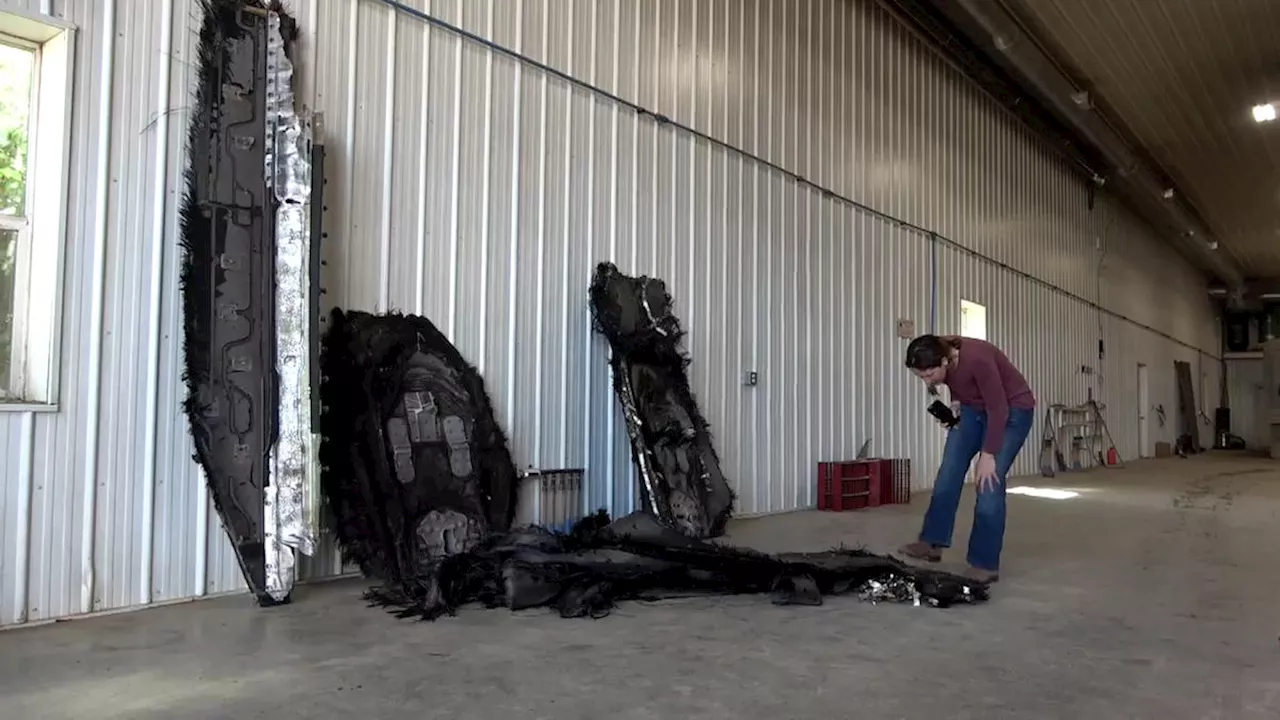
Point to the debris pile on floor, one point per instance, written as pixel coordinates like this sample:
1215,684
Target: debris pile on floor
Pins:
585,572
421,492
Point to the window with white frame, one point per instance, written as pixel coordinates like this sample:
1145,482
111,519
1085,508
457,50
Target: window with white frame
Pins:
973,320
35,85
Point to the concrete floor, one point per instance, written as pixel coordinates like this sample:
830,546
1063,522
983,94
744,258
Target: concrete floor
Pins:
1153,593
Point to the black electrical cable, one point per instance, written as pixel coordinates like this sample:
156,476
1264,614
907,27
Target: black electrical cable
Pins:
662,119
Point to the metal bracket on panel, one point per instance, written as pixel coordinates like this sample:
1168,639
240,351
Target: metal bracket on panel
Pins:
292,498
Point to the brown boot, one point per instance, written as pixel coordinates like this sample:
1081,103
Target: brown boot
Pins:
983,576
920,550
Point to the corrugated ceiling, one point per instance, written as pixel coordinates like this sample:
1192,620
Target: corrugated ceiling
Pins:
1180,77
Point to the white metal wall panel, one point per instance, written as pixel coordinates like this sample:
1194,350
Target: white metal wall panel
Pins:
481,191
1246,390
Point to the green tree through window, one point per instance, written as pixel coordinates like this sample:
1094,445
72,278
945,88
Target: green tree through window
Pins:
13,171
17,66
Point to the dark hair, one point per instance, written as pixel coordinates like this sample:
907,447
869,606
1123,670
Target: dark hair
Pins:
927,352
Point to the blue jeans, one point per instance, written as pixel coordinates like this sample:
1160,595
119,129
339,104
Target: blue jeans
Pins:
964,442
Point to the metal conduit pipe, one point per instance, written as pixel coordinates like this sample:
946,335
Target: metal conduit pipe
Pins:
1021,54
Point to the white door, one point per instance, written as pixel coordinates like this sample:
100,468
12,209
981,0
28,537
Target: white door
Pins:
1144,414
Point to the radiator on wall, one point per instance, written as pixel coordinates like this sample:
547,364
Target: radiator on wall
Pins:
550,498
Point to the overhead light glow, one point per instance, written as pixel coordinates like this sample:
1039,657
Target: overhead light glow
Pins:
1264,113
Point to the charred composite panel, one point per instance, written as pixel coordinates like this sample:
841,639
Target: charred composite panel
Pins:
415,466
680,478
249,290
421,493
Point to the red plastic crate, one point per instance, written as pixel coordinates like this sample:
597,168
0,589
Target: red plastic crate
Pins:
850,485
858,484
897,489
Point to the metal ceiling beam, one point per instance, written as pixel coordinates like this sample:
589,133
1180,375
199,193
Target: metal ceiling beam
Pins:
997,32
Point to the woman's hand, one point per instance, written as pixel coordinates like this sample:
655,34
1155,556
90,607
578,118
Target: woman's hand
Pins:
986,472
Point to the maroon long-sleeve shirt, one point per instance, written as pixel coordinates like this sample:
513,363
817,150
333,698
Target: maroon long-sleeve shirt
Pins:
984,378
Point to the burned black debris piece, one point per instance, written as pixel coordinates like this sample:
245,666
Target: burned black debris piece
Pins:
415,467
680,478
585,572
421,491
249,289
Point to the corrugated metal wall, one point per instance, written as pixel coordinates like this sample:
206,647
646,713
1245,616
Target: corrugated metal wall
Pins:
481,191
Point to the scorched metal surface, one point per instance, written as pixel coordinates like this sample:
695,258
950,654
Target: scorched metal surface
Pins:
246,237
680,478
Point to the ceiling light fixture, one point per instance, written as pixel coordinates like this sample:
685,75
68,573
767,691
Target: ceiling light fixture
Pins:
1264,113
1168,193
